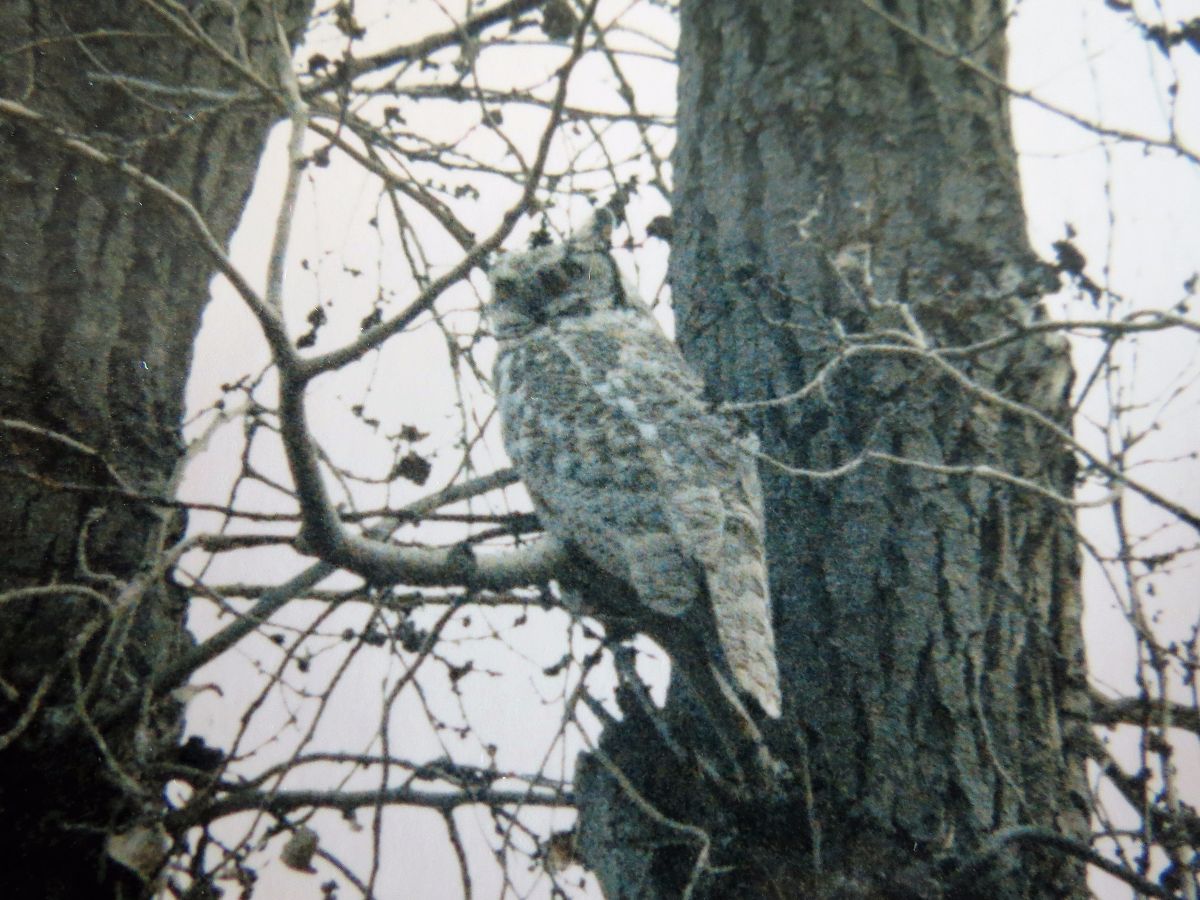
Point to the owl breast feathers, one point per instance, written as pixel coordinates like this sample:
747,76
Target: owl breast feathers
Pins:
620,454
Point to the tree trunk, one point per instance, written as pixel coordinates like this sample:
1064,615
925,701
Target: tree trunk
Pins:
830,167
101,293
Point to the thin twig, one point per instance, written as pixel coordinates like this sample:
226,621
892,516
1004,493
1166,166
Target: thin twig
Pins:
991,78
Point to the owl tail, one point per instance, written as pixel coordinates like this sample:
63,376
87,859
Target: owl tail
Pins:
741,605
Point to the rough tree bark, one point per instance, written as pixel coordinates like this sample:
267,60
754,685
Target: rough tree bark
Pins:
928,624
100,298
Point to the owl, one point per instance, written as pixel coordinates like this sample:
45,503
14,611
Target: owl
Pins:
627,464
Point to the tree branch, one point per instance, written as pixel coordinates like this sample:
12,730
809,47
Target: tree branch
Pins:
424,47
279,803
376,335
911,348
1028,96
513,568
1045,837
1140,710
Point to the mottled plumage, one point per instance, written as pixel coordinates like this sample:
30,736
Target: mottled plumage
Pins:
622,456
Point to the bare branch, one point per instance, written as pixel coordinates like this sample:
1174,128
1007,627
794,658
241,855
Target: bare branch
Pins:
298,112
429,45
375,336
1139,711
1028,834
513,568
979,391
975,68
279,803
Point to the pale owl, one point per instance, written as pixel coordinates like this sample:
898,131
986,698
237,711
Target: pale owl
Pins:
624,459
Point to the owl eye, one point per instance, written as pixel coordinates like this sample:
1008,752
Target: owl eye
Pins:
572,267
552,280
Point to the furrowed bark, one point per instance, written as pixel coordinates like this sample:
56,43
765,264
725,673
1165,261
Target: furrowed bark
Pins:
834,178
101,293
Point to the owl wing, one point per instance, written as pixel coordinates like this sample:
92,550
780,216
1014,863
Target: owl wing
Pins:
622,458
714,507
592,461
740,591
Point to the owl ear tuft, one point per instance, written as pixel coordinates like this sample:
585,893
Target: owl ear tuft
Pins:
597,230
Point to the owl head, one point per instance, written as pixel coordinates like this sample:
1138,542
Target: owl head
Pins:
548,284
